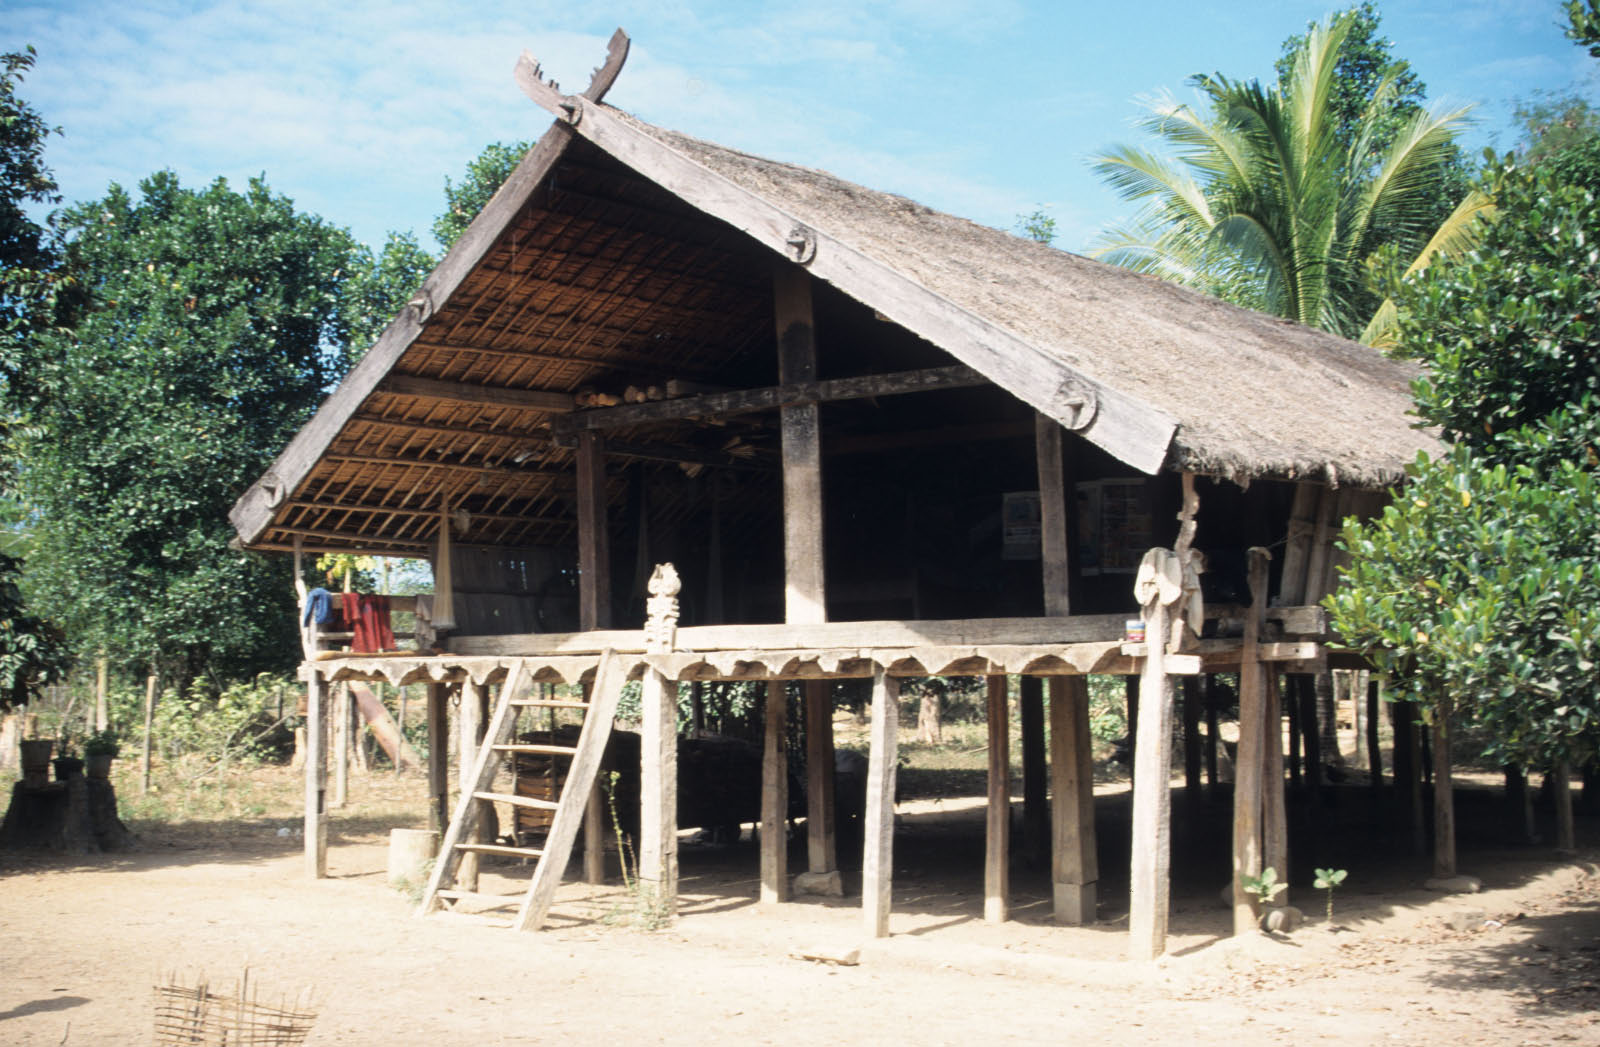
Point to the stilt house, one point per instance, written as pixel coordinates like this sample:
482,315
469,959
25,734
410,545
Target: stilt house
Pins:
875,440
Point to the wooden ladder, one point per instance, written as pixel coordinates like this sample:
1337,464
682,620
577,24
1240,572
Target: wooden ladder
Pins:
498,742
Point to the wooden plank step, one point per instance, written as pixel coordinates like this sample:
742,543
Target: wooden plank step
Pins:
517,801
531,747
500,848
478,896
548,703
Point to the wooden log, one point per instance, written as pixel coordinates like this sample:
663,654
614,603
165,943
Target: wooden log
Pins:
1053,560
1035,796
1274,808
438,756
822,844
804,577
1075,863
997,821
102,710
470,720
658,791
775,798
795,389
1247,771
316,820
594,537
1444,809
877,861
1149,892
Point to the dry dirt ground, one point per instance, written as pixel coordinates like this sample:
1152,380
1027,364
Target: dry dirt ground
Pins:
86,939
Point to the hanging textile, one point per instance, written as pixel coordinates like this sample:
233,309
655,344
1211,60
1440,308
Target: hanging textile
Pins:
368,618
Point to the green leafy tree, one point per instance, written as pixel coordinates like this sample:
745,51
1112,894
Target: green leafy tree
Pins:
463,200
33,652
217,321
1280,197
1583,24
27,252
1039,226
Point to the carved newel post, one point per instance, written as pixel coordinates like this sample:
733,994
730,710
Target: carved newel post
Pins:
658,766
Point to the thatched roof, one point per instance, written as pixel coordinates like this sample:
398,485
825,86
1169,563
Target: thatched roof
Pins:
620,252
1253,395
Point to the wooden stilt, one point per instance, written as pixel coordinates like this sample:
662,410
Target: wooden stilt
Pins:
1247,769
1075,864
469,736
1149,872
594,536
997,823
1419,828
1191,737
822,847
1130,685
1561,786
804,599
1274,811
1212,701
341,744
658,790
1374,746
438,757
877,862
316,826
1035,797
149,726
775,797
1292,705
1444,810
596,820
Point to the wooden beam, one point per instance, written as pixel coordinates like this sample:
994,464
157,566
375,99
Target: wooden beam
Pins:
1052,516
531,435
1075,863
997,821
470,721
530,472
476,395
788,394
775,798
316,815
805,602
438,757
658,792
1252,737
411,513
1131,430
877,860
676,453
594,536
255,509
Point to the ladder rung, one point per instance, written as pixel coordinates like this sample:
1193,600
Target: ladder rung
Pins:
500,848
548,703
526,747
477,896
517,801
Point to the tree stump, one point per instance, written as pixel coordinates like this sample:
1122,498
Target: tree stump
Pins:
75,816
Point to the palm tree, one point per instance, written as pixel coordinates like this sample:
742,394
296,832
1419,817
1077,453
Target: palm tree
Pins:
1264,202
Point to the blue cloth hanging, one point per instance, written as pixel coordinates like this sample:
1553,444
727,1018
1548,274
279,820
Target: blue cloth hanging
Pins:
319,607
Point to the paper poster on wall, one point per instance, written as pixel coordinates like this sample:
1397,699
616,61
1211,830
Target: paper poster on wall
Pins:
1020,526
1114,526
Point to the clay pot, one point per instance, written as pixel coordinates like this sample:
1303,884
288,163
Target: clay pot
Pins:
36,761
98,765
67,766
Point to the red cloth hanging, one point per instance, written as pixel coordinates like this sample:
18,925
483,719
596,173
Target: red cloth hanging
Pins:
367,616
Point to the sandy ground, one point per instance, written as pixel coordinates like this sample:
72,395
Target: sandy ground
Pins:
86,939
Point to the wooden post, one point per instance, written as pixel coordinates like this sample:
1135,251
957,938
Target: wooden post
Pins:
341,744
594,537
822,845
1130,690
1211,733
1419,831
1247,769
1561,787
444,590
438,757
595,817
1191,737
1075,865
1274,810
149,726
1297,546
804,599
469,736
102,707
1374,747
1035,799
1149,872
877,861
316,826
775,798
997,823
1052,516
1444,811
658,770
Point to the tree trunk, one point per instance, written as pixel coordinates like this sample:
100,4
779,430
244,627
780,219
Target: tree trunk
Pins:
1566,837
930,731
1328,720
1444,817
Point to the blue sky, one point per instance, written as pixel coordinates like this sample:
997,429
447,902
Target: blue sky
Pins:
986,108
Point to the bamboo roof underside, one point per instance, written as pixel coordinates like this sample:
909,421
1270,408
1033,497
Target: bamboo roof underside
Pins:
585,273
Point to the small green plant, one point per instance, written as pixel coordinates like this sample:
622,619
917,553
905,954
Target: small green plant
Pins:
1265,887
102,743
1327,880
646,910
